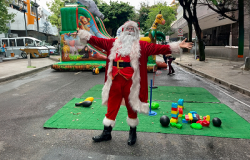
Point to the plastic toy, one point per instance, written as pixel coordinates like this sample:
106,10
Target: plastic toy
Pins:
174,113
216,122
180,107
205,121
192,116
177,111
155,105
179,126
86,103
196,126
164,121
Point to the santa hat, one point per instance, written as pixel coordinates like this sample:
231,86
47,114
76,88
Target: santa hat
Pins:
133,24
130,23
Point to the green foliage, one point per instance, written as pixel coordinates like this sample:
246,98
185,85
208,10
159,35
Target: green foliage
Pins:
116,14
98,1
54,7
168,14
143,15
5,17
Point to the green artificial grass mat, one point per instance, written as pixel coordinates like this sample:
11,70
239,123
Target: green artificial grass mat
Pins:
167,93
87,62
90,118
81,63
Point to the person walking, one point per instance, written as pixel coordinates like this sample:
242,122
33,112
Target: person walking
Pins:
168,59
126,75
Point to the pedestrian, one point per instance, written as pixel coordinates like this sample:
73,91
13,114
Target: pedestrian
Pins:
168,59
3,50
126,75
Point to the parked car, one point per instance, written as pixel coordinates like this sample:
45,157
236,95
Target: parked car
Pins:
14,47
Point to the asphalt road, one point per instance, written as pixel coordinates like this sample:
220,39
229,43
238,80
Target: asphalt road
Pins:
27,103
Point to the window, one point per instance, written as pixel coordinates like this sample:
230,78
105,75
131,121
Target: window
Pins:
12,42
19,42
5,41
38,43
29,42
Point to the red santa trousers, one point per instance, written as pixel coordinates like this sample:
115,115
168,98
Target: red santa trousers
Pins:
120,89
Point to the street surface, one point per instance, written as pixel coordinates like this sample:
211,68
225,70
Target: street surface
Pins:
27,103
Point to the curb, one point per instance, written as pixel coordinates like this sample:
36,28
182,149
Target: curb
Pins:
23,74
217,80
54,59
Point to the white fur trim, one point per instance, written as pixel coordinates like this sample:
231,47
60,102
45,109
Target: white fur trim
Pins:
84,35
134,100
108,122
132,122
175,47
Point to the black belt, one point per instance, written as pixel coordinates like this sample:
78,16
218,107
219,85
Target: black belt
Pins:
120,64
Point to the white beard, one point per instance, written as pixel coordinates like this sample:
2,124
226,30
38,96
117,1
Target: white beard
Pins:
126,41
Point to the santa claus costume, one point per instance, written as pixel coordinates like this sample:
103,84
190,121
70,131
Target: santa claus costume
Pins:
126,76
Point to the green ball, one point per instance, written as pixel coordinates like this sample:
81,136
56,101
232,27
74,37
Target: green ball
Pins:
154,105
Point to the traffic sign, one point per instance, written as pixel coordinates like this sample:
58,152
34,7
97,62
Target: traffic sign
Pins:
180,32
167,38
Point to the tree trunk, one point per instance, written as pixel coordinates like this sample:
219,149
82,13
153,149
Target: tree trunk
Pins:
59,41
190,31
198,32
249,28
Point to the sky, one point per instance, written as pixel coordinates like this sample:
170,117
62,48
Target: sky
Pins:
135,3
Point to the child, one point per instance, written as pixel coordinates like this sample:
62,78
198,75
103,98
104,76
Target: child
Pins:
168,59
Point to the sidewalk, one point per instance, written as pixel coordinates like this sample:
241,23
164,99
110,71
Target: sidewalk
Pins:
16,68
228,73
225,72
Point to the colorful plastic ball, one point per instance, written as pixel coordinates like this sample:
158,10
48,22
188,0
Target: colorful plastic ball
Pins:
216,122
164,121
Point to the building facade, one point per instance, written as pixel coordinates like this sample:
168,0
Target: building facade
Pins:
215,28
25,13
220,34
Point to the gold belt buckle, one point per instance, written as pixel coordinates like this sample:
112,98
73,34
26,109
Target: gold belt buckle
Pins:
118,64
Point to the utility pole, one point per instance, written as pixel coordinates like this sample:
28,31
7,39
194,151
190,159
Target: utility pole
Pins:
241,29
247,60
25,23
36,5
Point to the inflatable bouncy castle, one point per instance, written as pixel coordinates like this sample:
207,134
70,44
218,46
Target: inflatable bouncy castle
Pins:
76,55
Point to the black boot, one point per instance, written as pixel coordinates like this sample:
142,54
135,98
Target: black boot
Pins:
105,136
132,136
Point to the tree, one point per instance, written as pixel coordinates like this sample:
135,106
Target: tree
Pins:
168,14
189,11
5,17
248,10
55,18
116,14
226,8
143,15
186,9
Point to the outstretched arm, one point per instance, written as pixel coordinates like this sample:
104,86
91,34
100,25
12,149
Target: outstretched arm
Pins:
185,44
103,43
174,47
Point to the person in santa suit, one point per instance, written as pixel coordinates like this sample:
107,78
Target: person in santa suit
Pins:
126,75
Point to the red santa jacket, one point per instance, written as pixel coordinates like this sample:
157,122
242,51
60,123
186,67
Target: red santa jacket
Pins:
139,57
